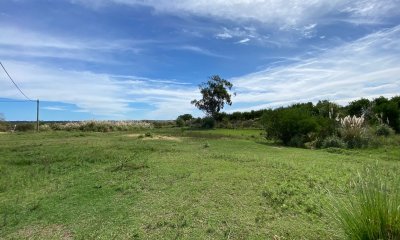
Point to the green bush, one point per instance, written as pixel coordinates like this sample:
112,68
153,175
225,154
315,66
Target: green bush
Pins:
208,123
383,130
372,212
148,134
333,142
4,127
24,127
295,125
183,120
180,122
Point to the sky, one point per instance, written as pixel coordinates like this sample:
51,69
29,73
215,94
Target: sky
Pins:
137,59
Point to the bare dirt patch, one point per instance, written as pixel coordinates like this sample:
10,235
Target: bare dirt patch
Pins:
167,138
133,135
155,137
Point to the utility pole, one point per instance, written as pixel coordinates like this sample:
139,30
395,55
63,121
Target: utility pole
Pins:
37,115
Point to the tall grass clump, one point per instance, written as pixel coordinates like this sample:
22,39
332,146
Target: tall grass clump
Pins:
372,212
352,131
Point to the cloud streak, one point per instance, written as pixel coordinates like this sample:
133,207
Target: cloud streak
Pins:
104,95
367,67
282,13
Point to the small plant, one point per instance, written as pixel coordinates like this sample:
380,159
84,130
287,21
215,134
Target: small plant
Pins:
206,145
384,130
333,142
148,134
372,212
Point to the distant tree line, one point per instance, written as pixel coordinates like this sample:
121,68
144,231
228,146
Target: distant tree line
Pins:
302,123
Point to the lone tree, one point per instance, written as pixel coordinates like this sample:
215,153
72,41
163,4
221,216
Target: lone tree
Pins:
215,95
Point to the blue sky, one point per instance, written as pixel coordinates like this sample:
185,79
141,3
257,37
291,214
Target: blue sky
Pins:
136,59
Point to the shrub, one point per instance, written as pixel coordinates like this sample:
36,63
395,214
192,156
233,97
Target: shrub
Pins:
292,125
24,127
4,127
353,132
383,130
372,212
180,122
101,126
208,123
44,127
333,142
148,134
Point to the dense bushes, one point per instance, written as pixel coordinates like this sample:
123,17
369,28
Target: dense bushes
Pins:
4,127
333,142
208,123
296,125
95,126
383,130
24,127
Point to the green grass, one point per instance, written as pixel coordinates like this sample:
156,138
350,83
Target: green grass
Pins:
372,212
216,184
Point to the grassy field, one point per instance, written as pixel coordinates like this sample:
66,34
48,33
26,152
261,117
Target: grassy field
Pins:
177,184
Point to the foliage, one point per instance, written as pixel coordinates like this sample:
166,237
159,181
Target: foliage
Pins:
3,125
24,127
383,130
390,113
100,126
148,134
44,127
208,123
327,109
295,125
179,122
183,120
373,211
186,117
352,131
333,142
214,95
358,107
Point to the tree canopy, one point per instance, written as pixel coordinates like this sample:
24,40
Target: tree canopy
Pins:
215,95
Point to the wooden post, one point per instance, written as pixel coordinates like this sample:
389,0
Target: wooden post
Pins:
37,115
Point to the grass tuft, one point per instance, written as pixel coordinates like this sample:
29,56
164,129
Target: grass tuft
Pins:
373,211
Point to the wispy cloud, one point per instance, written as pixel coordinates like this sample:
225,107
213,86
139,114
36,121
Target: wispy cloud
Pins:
17,42
276,12
367,67
243,41
104,95
223,35
199,50
54,108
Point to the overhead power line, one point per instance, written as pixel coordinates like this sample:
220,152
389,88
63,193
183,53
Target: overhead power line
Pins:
19,89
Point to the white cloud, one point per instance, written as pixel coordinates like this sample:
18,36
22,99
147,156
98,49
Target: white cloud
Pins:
367,67
54,108
106,96
17,42
199,50
243,40
274,12
223,35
